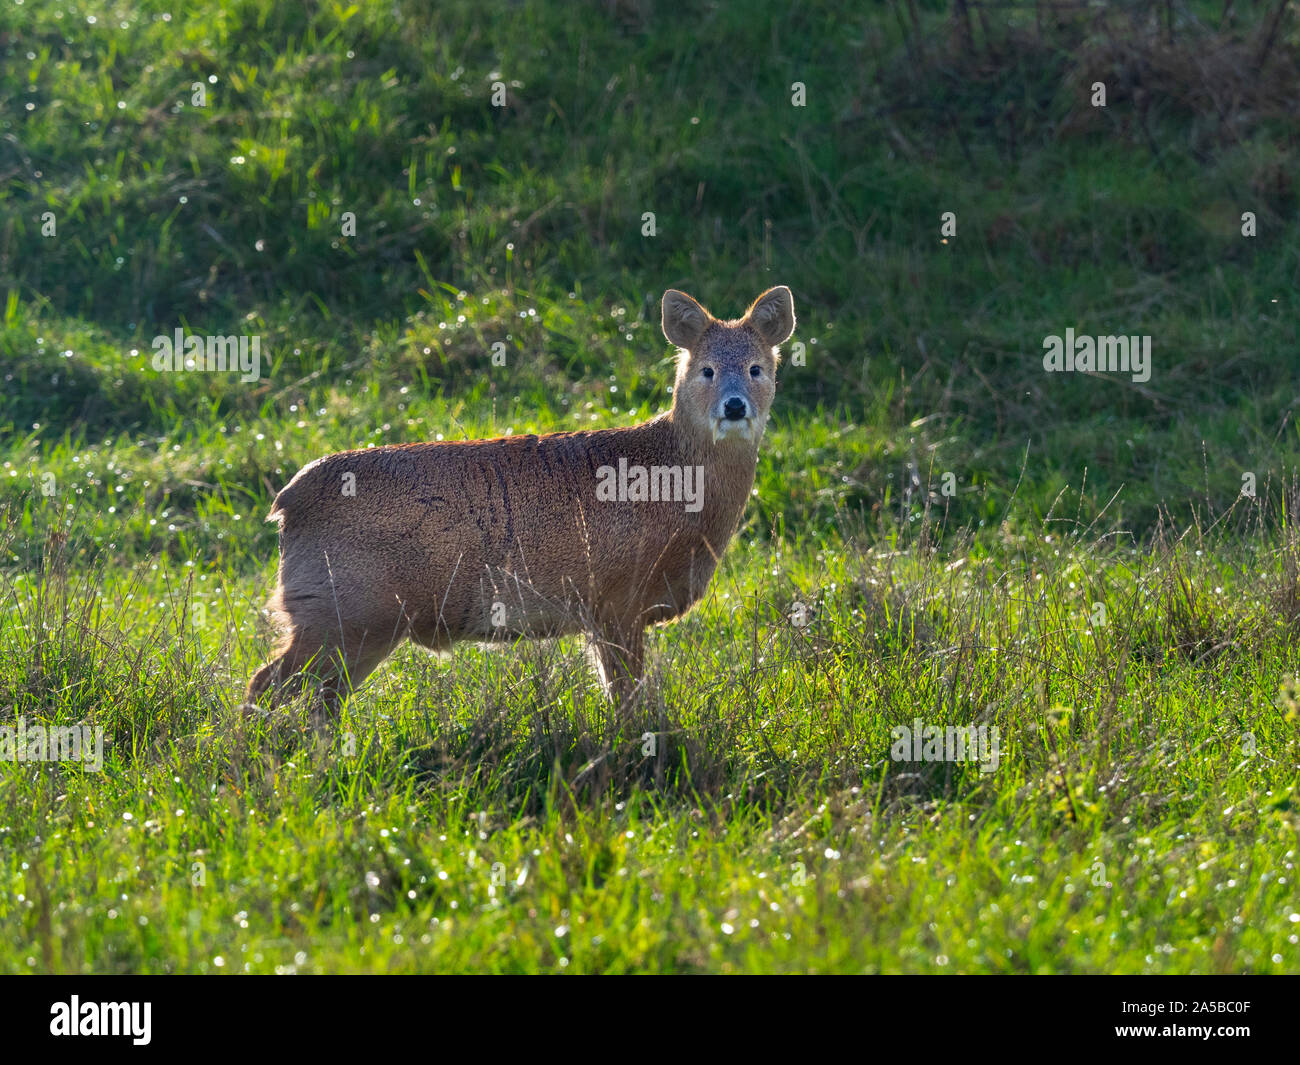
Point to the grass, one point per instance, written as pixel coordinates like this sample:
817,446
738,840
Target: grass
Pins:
1096,586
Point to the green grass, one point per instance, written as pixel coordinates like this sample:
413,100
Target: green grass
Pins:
489,812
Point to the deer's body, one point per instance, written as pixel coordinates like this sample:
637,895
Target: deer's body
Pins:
522,536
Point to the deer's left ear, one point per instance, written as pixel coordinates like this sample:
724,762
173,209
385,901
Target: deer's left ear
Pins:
772,314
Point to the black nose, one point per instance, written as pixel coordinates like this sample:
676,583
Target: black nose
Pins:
734,409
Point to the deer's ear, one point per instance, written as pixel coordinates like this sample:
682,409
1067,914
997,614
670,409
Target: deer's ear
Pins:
683,319
772,314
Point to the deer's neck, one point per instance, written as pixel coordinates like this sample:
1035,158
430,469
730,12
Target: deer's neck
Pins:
728,470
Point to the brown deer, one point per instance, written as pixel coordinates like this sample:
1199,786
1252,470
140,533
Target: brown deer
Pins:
601,532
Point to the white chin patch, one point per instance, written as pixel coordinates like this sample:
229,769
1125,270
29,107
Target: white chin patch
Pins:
724,427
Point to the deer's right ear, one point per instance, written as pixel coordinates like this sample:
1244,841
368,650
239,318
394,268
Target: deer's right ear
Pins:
683,319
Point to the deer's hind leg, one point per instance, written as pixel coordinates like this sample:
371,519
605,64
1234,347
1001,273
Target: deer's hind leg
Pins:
320,662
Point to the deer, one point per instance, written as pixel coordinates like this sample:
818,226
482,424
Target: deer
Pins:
600,533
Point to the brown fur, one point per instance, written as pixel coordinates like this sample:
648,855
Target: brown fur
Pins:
437,533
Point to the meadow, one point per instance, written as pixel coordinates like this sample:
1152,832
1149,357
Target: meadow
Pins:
455,220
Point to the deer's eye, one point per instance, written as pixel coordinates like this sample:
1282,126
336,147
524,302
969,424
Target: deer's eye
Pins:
754,371
708,372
